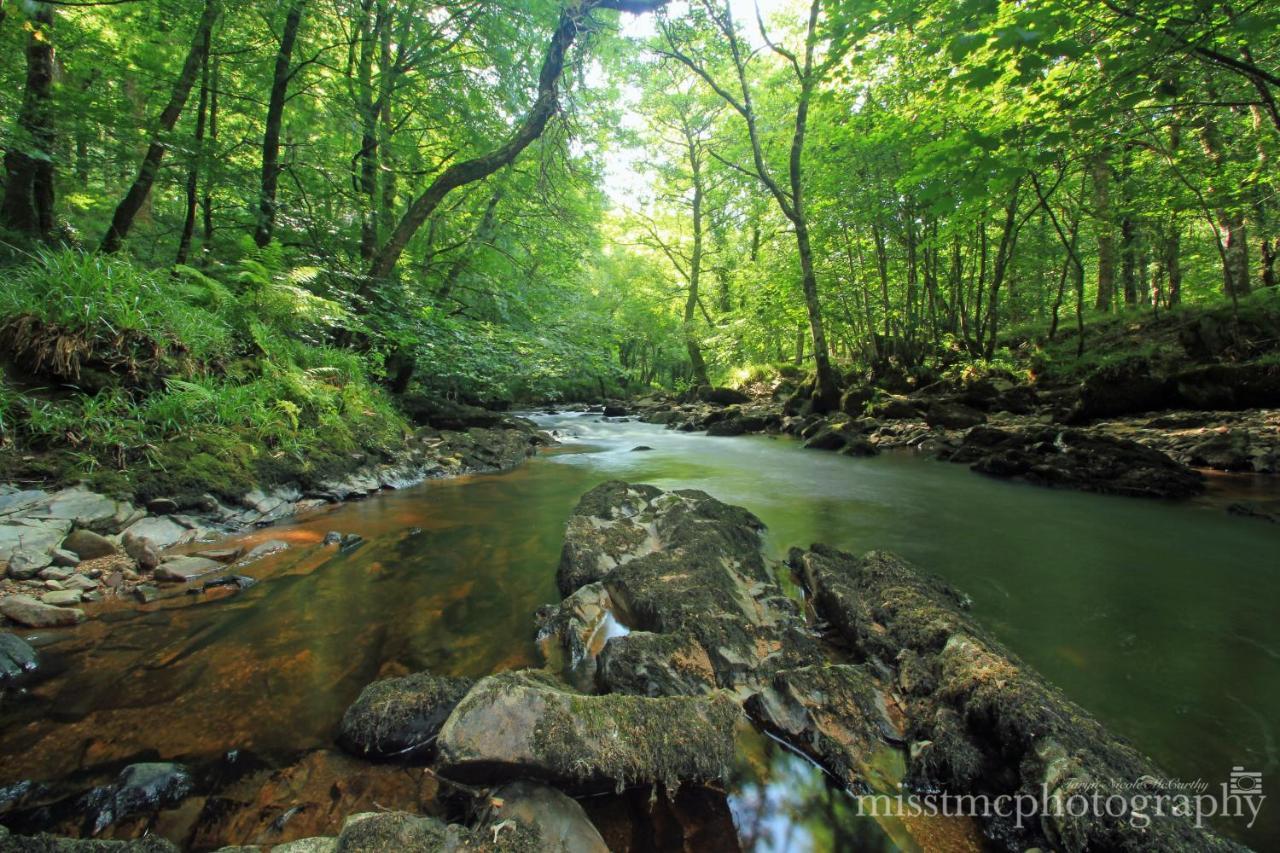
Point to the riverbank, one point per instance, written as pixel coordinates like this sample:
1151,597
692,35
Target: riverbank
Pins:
65,550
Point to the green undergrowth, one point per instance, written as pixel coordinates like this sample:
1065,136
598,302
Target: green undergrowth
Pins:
155,384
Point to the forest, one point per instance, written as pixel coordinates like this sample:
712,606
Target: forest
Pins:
261,260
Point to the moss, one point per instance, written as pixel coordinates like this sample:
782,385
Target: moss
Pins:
400,716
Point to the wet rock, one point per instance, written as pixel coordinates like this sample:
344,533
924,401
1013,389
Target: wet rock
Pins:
184,568
88,545
146,593
264,549
1225,450
523,724
615,411
685,564
61,597
240,582
221,555
24,565
1070,458
140,788
163,532
950,415
51,844
560,823
1248,509
827,438
977,718
572,635
63,557
400,717
642,663
721,396
838,716
17,658
333,537
27,611
640,448
350,541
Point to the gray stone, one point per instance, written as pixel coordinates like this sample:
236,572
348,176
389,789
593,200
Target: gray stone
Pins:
86,509
17,502
24,565
140,788
35,535
560,822
185,568
162,531
16,657
162,506
27,611
222,555
146,593
56,573
63,557
81,582
333,537
264,549
62,597
52,584
89,545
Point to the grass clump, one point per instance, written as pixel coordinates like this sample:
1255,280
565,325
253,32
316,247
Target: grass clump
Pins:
179,385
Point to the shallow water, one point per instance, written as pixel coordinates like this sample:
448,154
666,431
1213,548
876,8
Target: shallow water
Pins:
1157,617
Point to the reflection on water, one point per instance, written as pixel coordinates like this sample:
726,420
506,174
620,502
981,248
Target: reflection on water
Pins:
1157,617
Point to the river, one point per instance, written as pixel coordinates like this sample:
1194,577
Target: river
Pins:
1159,618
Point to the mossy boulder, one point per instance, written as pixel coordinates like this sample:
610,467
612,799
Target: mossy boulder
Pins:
525,725
648,664
978,719
400,717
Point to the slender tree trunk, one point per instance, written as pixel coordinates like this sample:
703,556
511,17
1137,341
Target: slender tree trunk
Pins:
1230,220
696,361
275,115
1101,171
197,158
28,164
141,188
206,203
482,236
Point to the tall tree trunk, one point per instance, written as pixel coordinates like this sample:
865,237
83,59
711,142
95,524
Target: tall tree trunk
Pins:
275,115
1129,259
206,202
696,361
1230,220
1101,171
141,188
197,158
28,164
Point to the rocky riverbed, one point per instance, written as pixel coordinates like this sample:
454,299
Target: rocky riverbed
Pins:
675,639
64,551
1004,429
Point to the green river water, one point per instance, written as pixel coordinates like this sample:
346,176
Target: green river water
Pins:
1159,618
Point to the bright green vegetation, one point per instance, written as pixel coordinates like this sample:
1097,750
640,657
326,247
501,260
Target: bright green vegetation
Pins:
251,231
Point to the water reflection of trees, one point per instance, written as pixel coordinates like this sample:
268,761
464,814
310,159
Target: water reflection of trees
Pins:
782,802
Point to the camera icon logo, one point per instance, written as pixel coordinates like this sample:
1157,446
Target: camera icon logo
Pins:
1245,783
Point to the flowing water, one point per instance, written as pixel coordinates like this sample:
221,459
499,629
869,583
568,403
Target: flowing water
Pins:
1159,618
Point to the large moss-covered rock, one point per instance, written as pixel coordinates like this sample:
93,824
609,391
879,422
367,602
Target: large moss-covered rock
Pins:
400,717
686,565
523,724
977,718
648,664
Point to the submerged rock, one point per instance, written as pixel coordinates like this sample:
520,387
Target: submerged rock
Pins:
27,611
180,569
139,788
52,844
524,724
17,658
400,717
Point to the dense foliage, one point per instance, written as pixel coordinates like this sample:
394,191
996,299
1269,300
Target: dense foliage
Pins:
219,216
